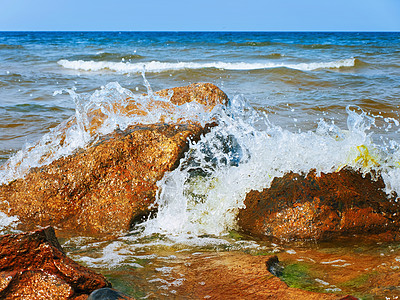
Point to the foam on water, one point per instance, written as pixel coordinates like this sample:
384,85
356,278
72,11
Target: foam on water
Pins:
244,152
158,66
98,114
204,194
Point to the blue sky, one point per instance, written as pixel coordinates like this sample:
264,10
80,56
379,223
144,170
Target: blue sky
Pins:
278,15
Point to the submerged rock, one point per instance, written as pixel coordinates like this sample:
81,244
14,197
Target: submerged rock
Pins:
110,184
34,266
108,294
320,207
234,275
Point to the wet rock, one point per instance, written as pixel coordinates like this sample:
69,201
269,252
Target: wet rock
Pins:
110,185
108,294
273,266
357,266
320,207
34,266
101,189
234,275
206,94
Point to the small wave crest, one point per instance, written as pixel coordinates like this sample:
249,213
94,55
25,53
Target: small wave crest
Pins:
157,66
107,56
10,47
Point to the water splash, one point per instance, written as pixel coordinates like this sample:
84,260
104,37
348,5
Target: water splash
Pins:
98,114
244,152
204,194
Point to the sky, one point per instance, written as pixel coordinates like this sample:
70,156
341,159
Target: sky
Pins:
204,15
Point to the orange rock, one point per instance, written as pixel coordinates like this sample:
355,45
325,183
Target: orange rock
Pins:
234,275
34,266
110,184
104,188
206,94
320,207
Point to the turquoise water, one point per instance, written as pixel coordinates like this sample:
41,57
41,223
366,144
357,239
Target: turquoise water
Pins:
299,101
295,77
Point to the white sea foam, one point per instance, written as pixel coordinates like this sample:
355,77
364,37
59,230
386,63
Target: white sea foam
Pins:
158,66
6,221
78,130
203,195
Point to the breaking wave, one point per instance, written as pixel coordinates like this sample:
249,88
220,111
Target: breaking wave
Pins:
158,66
244,152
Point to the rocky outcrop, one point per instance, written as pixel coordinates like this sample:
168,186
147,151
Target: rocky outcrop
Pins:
34,266
110,185
104,188
320,207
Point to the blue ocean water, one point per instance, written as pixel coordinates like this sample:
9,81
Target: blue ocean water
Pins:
299,101
296,78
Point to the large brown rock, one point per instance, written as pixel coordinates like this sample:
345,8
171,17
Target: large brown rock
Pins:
320,207
111,184
34,266
104,188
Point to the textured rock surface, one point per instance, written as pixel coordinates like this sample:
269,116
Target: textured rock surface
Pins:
236,276
33,266
101,189
207,94
352,265
319,207
108,186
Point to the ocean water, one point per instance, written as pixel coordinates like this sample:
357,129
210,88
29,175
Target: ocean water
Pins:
298,101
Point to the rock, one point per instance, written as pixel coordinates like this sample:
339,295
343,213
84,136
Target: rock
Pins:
233,275
356,266
273,266
34,266
206,94
102,189
320,207
108,186
108,294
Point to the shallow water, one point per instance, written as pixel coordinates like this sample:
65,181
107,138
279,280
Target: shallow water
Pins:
298,101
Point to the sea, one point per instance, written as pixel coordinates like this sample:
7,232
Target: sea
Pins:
298,101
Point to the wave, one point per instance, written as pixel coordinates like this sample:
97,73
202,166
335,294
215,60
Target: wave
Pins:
158,66
252,44
244,152
10,47
108,56
288,44
271,55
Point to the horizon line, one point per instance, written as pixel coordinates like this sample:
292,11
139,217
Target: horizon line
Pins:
201,31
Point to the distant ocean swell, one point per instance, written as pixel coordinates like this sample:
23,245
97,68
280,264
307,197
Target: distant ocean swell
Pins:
158,66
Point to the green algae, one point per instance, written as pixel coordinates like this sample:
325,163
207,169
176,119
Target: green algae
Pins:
300,275
358,285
